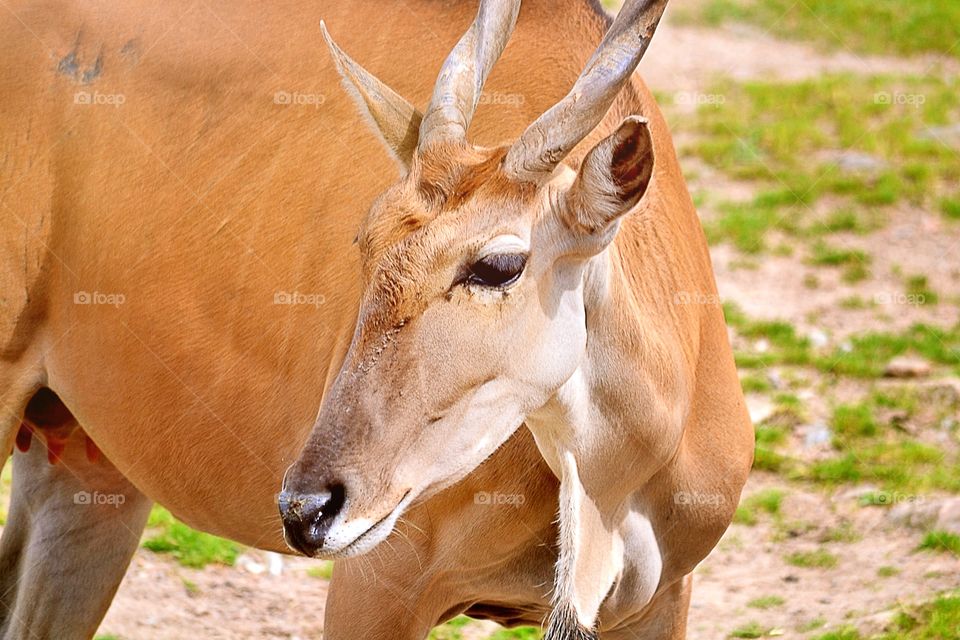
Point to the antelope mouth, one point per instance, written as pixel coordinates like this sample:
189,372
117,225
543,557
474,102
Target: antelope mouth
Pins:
371,536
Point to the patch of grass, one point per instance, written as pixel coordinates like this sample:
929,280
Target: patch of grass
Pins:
825,255
812,625
751,630
854,262
920,26
950,208
785,346
937,620
876,499
766,602
844,633
866,355
853,421
902,465
918,287
520,633
818,559
191,548
190,586
794,141
323,570
887,572
766,501
941,541
844,533
855,303
450,630
753,383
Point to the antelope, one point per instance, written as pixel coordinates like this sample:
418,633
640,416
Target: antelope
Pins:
518,418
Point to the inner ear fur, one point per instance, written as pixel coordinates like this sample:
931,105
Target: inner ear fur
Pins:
613,177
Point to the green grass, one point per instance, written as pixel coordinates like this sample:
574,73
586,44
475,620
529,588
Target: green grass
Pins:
863,356
191,548
453,630
766,602
936,620
918,287
853,421
812,625
520,633
751,630
866,449
752,383
867,26
323,570
844,633
941,541
844,533
767,501
790,140
887,572
819,559
950,207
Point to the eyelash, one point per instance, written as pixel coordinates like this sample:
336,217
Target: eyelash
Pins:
496,271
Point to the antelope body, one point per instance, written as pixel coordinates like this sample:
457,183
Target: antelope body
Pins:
464,361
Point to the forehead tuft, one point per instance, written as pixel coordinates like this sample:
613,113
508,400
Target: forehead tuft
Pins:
444,180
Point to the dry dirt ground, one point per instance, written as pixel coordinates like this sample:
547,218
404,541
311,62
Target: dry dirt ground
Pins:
875,570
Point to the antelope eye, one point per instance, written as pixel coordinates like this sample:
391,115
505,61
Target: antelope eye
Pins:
497,270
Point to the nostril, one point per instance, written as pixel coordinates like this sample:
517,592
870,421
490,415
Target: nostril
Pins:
307,517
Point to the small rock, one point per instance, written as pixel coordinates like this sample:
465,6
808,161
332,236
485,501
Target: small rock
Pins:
818,339
948,517
250,565
275,563
762,345
776,381
857,492
856,162
942,393
759,408
906,367
945,134
915,514
818,435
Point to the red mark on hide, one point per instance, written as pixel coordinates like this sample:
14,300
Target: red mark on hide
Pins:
93,451
24,437
55,447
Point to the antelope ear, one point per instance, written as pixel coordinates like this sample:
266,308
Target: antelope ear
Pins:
612,178
395,120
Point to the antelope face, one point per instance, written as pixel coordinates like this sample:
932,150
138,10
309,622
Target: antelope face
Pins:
472,315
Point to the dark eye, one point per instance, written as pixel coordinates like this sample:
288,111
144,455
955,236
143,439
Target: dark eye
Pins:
497,270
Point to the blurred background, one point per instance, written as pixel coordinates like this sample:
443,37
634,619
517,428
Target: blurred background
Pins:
820,142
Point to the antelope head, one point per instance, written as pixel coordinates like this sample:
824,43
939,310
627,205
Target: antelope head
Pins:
473,313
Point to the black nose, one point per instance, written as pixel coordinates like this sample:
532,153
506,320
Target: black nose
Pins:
307,517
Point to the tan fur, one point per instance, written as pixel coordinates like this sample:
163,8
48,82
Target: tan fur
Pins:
200,199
